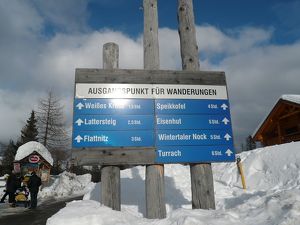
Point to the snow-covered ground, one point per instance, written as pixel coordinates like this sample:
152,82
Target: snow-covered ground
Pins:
63,186
272,196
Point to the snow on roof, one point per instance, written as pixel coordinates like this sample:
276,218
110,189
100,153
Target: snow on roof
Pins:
290,98
28,148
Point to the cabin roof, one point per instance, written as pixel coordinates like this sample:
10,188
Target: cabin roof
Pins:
31,147
284,99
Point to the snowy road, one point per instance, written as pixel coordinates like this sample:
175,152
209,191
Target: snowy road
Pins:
39,216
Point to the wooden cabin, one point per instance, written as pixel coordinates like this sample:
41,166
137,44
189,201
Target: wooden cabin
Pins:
33,156
282,125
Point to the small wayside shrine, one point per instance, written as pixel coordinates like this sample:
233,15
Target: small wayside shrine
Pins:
33,156
282,125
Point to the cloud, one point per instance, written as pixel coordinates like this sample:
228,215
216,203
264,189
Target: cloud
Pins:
64,53
257,72
257,79
18,20
64,16
20,25
213,41
53,67
14,111
169,49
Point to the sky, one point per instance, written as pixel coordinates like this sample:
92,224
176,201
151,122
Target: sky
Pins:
255,42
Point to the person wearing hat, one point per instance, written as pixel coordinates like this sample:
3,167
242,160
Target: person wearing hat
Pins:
33,185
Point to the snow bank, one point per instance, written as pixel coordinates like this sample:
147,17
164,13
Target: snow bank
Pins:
28,148
66,185
272,195
270,168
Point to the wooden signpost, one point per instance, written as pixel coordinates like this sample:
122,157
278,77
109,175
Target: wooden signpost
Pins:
124,118
110,175
203,196
155,186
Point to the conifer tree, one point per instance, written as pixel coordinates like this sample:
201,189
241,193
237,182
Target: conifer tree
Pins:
29,131
9,156
2,147
250,143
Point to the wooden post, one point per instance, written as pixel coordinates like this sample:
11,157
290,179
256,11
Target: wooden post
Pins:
110,56
241,171
155,188
110,175
187,34
110,187
151,49
201,174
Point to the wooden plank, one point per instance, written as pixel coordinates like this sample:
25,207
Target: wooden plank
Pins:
150,77
114,156
155,194
201,174
110,175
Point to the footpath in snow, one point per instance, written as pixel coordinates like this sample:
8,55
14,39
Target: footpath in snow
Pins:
64,186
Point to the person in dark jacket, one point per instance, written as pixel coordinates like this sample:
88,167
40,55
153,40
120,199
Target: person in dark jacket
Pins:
12,185
33,185
6,193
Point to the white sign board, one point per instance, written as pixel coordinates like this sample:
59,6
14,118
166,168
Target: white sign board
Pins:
150,91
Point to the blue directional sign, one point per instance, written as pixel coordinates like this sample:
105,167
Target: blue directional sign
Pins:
113,106
190,154
193,122
184,123
193,137
191,106
193,130
113,122
113,138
